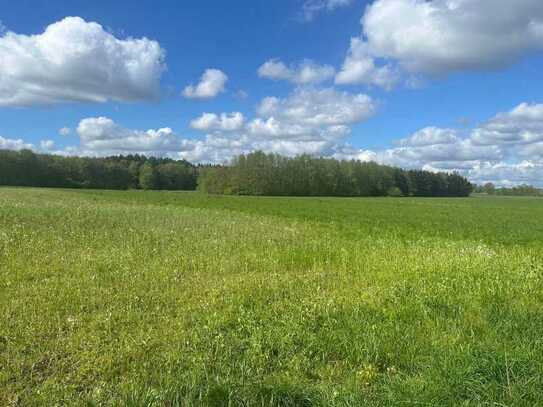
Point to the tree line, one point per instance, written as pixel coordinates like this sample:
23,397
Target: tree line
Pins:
520,190
26,168
272,174
252,174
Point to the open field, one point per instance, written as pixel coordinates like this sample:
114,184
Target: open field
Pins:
156,298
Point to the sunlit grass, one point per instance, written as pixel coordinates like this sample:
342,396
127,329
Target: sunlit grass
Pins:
184,299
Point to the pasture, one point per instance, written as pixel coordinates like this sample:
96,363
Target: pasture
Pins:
175,298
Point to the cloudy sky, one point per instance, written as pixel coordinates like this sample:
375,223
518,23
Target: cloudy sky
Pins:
437,84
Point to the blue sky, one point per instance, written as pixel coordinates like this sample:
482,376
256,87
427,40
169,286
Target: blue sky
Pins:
442,84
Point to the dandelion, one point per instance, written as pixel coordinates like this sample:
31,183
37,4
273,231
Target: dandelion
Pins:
368,374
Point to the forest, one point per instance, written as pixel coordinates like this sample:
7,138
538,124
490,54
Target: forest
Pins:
252,174
275,175
25,168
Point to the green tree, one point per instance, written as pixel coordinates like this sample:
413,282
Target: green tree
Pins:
458,185
174,176
148,177
489,188
134,171
270,174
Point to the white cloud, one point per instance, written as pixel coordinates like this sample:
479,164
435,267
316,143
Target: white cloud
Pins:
275,69
311,8
442,36
348,152
312,121
359,68
103,136
305,73
532,151
508,174
438,37
506,150
65,131
274,129
224,122
319,107
521,125
220,149
14,144
212,82
440,149
77,61
295,147
47,145
430,136
458,151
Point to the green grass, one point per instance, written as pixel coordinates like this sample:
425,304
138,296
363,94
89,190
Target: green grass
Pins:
155,298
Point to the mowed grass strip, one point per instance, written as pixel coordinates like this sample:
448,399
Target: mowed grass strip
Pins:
134,298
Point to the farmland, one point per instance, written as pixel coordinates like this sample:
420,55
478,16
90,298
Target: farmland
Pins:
181,298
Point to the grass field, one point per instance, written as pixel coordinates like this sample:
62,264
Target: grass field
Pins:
155,298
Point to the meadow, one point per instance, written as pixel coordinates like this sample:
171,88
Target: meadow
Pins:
180,298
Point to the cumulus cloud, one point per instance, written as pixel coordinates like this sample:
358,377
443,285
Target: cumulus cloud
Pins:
77,61
65,131
507,149
457,151
311,8
438,37
531,151
501,142
305,73
274,129
312,121
102,135
360,68
47,145
430,136
224,122
521,125
218,148
440,149
348,152
319,107
215,148
212,82
14,144
508,174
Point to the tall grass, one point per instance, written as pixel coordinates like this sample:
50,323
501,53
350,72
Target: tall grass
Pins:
149,298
